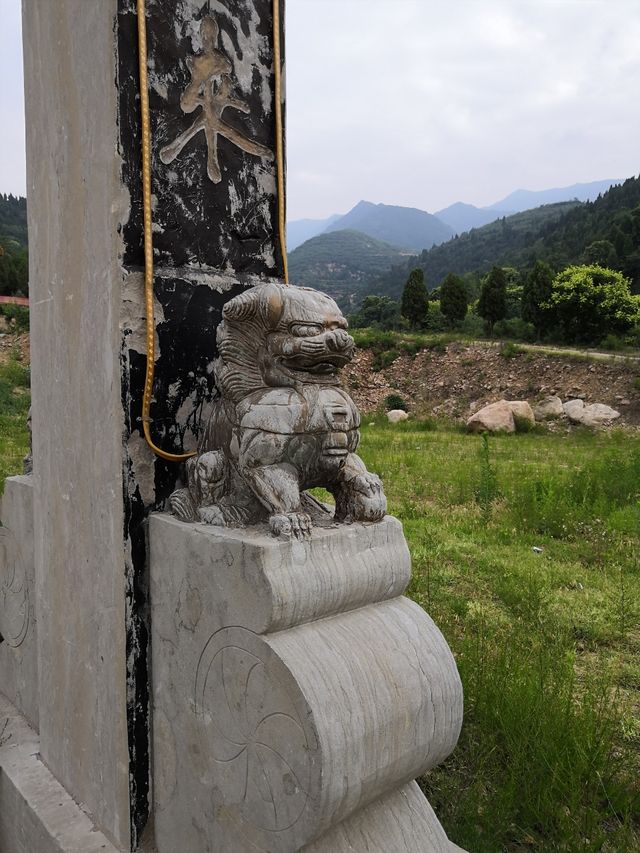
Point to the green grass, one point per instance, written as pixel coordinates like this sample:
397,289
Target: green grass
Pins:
547,643
14,407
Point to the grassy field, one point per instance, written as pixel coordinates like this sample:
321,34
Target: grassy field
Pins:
547,640
14,406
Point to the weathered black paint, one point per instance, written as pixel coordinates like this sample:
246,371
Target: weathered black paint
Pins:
197,232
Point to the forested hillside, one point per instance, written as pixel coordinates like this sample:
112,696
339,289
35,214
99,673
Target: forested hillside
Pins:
13,219
13,246
340,263
605,231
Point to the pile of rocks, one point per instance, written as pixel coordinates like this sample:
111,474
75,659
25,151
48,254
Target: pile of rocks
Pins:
514,416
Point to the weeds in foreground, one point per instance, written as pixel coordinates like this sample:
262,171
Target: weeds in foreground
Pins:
14,406
525,552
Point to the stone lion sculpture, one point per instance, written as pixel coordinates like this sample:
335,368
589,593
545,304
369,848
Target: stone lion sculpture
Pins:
282,424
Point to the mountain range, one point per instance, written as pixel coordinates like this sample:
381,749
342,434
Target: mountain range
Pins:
411,228
348,264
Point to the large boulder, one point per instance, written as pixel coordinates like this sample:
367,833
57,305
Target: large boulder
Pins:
573,409
496,417
395,416
522,414
503,416
598,415
595,415
548,409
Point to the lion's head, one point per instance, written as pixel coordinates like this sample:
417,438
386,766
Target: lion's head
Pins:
274,335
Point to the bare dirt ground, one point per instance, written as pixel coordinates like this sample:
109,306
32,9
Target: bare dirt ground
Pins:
457,379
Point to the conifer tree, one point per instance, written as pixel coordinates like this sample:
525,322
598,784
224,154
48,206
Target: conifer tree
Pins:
415,300
453,299
536,291
492,304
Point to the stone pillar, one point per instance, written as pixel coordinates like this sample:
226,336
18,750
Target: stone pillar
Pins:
95,480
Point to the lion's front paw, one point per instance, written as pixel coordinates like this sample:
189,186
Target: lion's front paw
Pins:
361,499
369,485
211,515
291,524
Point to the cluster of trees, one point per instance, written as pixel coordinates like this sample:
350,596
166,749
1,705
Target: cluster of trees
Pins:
581,304
14,264
14,269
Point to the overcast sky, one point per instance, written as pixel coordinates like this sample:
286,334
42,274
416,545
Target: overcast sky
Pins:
426,102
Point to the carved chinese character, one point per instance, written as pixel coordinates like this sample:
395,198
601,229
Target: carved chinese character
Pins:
211,90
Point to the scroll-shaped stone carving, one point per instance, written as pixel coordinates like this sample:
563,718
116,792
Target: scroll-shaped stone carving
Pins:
282,423
14,591
298,706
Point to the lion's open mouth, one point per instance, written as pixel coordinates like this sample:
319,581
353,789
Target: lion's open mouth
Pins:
322,364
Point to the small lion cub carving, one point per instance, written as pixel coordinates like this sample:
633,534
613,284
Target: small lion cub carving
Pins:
282,423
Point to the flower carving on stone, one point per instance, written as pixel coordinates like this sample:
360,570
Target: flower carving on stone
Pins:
15,609
259,743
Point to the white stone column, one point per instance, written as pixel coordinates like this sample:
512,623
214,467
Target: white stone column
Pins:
77,207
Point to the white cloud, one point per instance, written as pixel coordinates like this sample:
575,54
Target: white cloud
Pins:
12,156
426,103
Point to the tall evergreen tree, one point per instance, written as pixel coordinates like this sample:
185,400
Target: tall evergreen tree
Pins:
453,299
415,299
492,304
536,291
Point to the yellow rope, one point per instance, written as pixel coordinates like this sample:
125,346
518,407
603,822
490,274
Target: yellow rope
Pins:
148,240
147,211
277,61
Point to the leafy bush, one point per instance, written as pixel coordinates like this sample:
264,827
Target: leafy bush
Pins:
515,328
472,326
589,302
510,350
17,315
384,359
395,401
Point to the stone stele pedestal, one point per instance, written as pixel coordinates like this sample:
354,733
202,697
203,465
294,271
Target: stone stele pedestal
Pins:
297,694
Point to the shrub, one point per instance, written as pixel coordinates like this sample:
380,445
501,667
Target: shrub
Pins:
589,302
515,328
510,350
17,315
395,401
384,359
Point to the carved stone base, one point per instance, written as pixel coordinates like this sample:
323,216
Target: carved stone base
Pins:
296,694
18,652
37,815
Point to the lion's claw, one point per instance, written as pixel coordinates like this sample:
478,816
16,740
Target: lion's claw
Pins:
289,525
367,484
211,515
